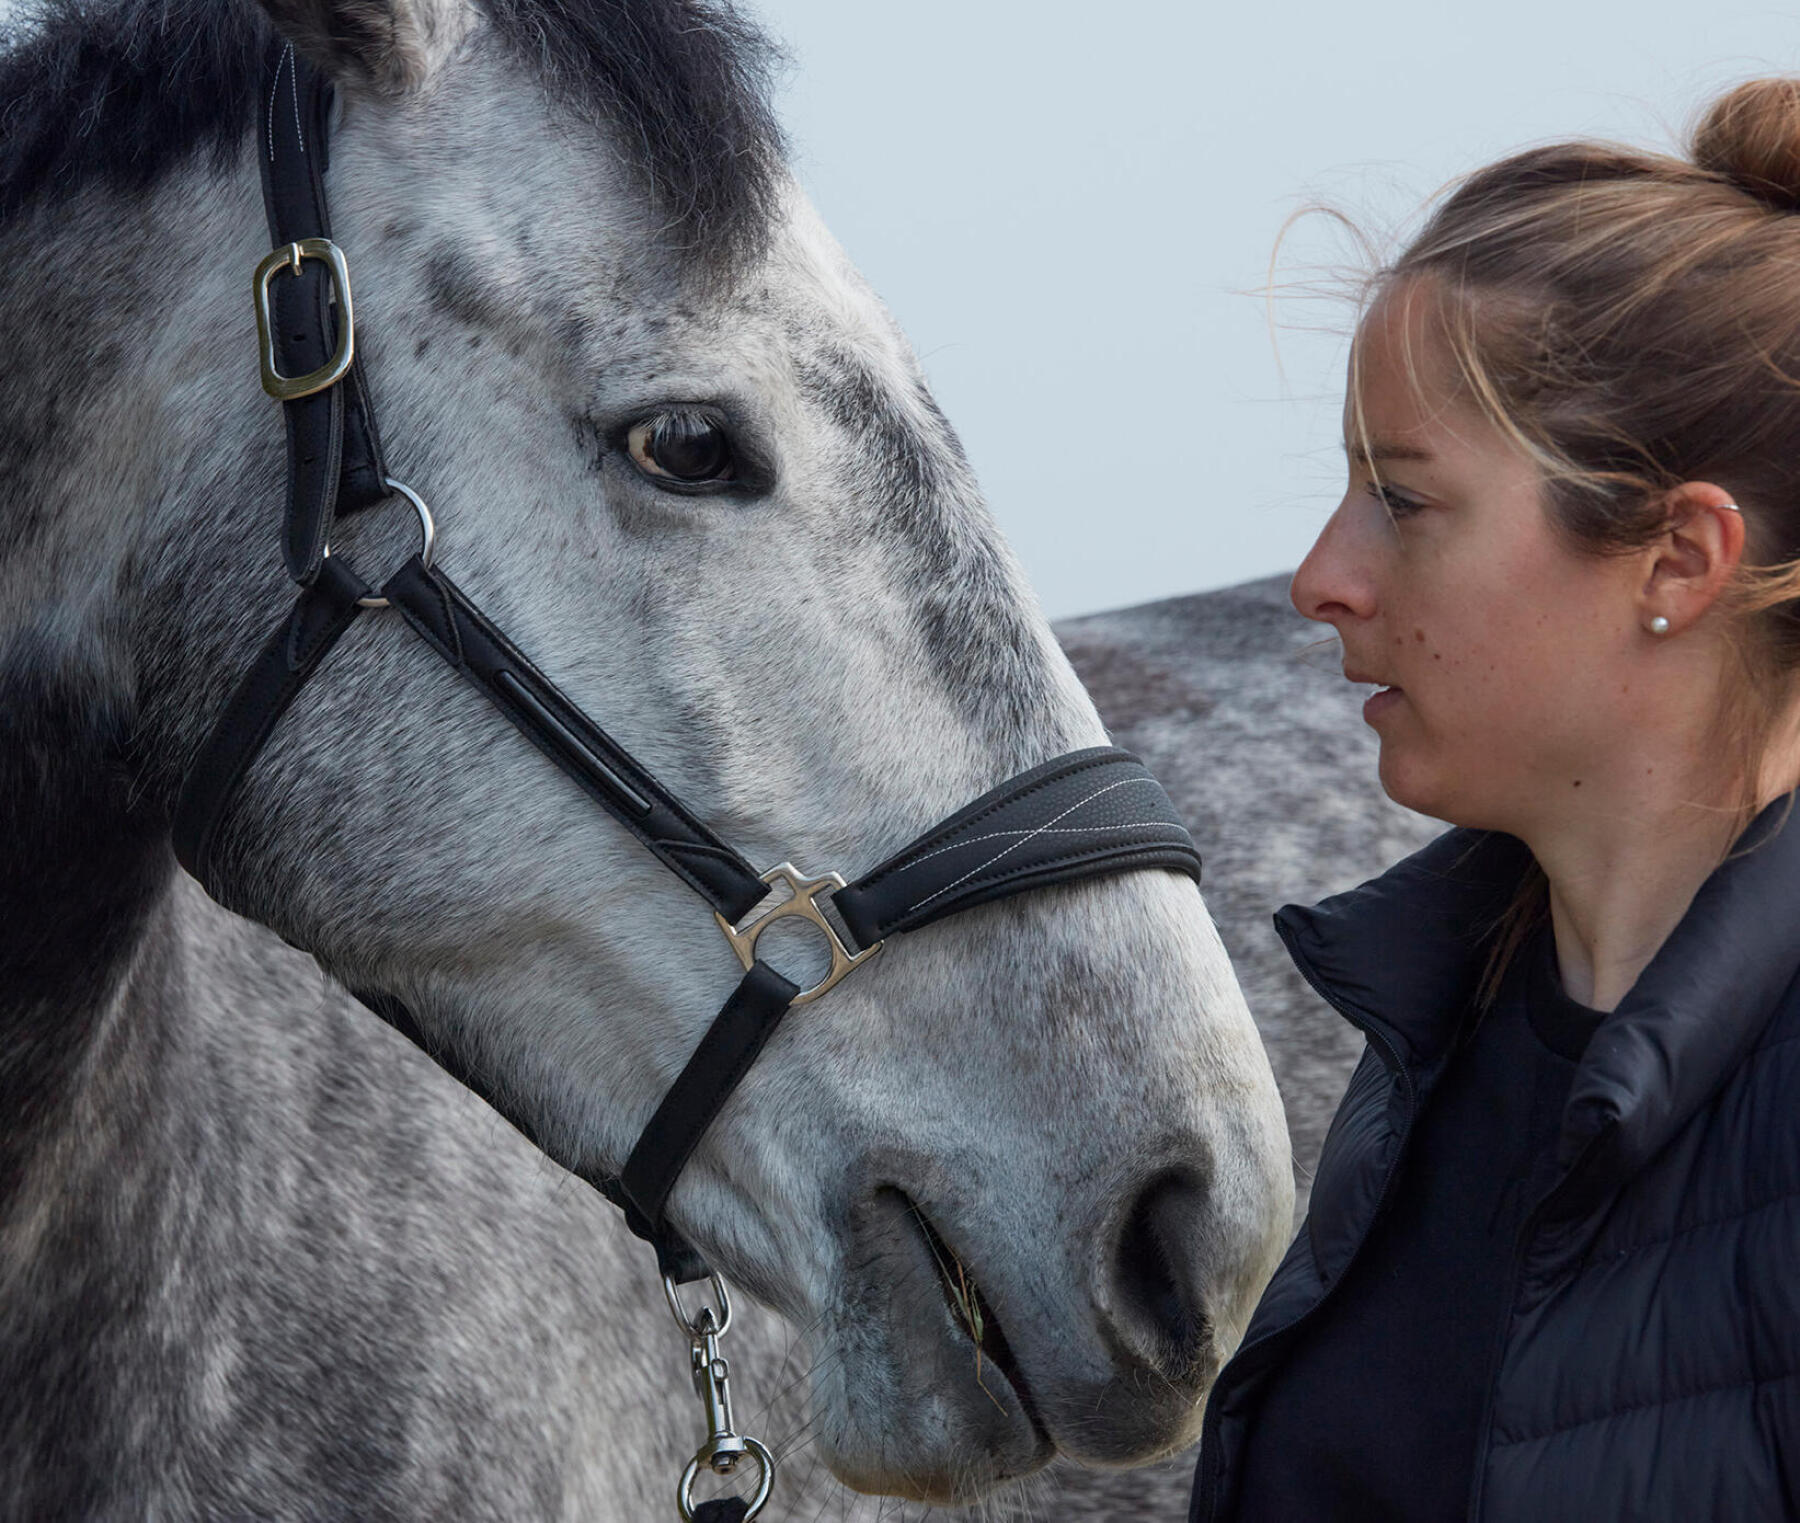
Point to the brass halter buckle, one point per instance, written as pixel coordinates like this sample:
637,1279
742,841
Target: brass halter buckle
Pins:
803,893
290,388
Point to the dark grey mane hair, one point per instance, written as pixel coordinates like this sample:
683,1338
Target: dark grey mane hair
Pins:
122,91
685,83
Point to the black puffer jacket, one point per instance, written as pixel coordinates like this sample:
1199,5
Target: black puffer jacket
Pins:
1651,1367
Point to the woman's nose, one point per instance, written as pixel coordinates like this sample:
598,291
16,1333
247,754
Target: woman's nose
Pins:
1334,582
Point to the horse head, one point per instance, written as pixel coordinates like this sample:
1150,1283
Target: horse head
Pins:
1021,1178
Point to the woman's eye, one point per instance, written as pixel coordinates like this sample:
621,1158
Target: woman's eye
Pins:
682,446
1397,503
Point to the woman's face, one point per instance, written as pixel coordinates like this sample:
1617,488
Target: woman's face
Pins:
1504,655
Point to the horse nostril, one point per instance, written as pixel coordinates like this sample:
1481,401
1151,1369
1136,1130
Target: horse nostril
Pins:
1158,1276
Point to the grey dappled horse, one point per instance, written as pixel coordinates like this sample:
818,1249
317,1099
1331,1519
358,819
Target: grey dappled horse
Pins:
258,1257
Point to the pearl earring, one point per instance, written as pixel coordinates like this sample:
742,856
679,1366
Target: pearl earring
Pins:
1659,625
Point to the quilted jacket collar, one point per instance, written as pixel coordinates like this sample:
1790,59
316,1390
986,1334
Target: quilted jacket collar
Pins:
1404,952
1696,1012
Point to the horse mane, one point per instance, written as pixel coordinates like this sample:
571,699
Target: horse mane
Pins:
120,92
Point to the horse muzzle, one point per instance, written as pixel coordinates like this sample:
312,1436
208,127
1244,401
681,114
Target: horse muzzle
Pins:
958,1365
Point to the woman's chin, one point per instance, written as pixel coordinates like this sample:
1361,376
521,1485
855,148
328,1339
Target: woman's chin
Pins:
1432,792
1413,786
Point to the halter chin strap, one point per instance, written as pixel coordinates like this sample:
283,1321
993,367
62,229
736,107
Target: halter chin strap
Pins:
1088,813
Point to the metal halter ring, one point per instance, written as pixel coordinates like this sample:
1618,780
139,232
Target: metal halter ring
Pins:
720,1319
427,528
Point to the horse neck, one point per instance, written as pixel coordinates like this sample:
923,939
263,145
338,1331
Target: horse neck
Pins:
92,442
87,869
125,458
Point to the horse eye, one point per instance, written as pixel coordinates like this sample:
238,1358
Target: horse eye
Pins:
687,447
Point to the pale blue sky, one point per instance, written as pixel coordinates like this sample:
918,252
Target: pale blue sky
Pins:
1069,207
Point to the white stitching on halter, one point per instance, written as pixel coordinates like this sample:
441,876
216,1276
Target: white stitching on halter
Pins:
274,89
1048,830
286,61
294,84
1029,835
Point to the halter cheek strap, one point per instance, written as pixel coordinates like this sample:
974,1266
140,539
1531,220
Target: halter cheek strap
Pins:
305,321
1078,816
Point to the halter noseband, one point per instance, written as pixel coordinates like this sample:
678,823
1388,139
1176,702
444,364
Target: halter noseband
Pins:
1081,815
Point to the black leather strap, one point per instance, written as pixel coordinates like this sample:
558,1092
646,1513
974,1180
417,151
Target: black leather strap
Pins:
738,1033
334,451
1079,816
291,655
722,1510
459,632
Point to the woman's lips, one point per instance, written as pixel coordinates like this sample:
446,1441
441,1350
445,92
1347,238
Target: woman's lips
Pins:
1378,703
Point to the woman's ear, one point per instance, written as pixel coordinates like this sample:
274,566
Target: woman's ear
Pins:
1694,559
375,47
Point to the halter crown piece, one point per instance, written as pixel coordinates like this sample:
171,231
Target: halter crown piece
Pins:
1088,813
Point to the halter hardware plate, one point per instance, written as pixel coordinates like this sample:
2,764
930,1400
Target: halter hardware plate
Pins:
802,901
290,388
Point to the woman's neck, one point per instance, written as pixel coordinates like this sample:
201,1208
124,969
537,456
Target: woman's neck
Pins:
1622,876
1613,905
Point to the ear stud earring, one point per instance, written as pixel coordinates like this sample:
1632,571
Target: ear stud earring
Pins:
1659,625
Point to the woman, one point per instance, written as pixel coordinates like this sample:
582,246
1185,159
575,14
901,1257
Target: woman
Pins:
1552,1265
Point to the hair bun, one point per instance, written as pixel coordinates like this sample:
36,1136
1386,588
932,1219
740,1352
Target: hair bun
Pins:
1751,136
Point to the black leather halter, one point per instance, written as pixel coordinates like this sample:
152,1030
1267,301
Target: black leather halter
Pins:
1080,815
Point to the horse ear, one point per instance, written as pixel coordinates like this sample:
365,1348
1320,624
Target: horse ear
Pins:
383,47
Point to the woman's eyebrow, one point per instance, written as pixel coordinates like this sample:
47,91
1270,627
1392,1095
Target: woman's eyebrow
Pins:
1382,450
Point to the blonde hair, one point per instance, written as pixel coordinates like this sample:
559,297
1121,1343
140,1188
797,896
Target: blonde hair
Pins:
1631,320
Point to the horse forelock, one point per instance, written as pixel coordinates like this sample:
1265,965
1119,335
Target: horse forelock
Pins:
685,83
122,92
